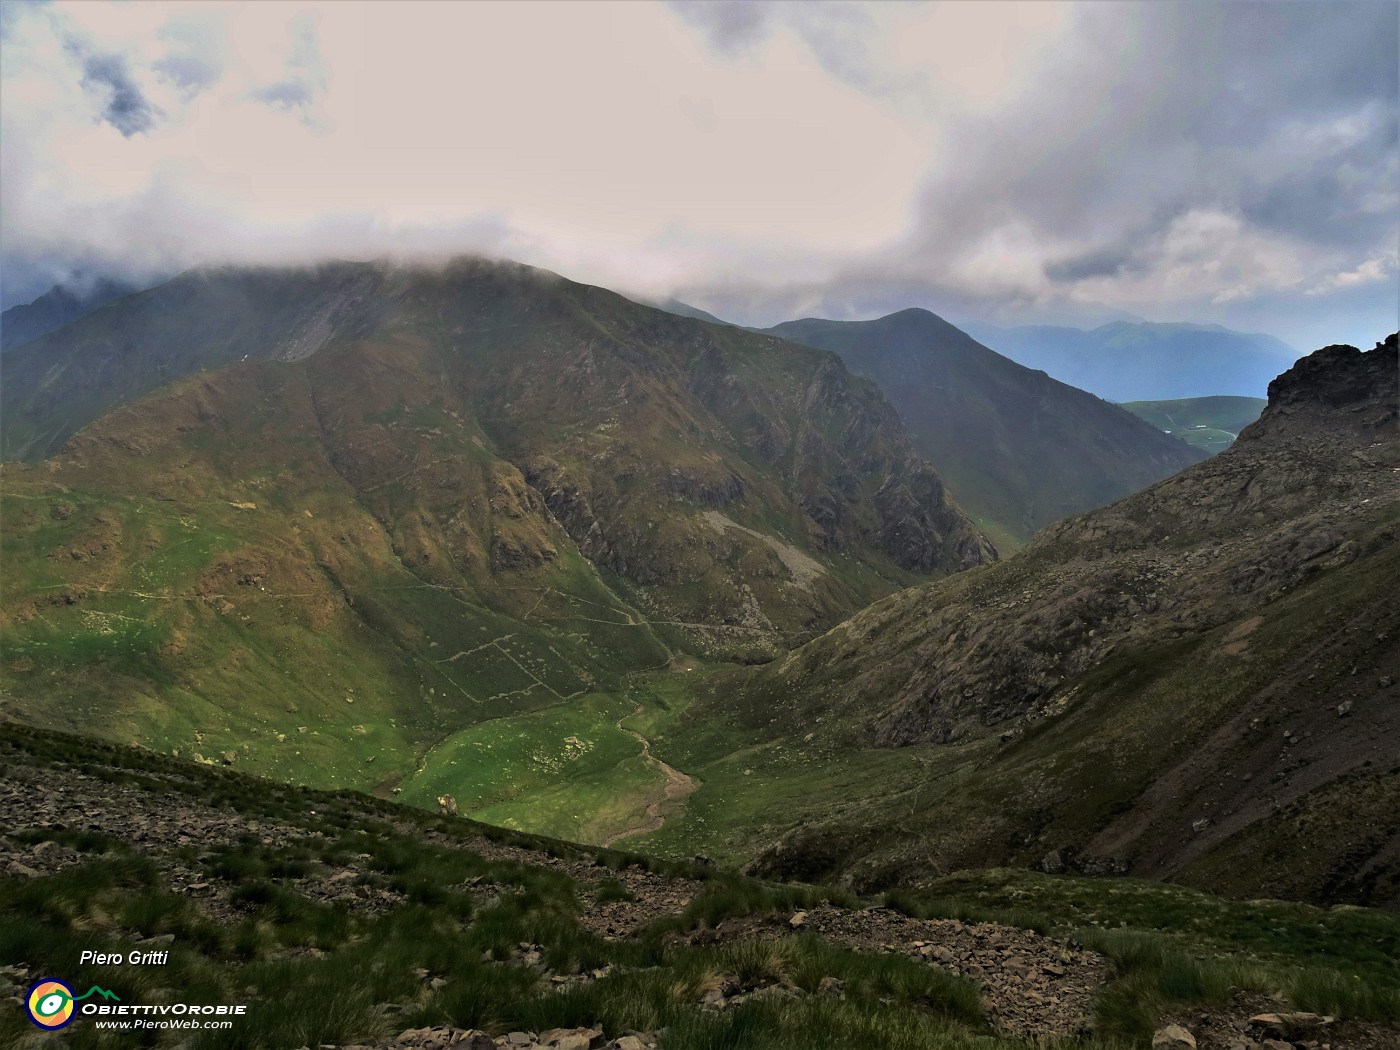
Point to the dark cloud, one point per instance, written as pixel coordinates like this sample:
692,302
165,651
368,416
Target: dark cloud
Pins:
125,106
1106,261
1154,109
195,53
293,92
1335,195
834,33
730,26
305,79
1153,140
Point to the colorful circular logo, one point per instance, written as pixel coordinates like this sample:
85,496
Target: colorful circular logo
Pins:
50,1004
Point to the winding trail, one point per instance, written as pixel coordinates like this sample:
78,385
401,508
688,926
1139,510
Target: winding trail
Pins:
678,786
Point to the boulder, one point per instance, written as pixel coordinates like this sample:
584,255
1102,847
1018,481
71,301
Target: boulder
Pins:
1173,1037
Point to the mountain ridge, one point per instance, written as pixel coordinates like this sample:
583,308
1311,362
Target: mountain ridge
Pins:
1176,686
1018,448
476,498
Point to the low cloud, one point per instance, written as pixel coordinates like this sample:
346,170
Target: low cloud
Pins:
1220,162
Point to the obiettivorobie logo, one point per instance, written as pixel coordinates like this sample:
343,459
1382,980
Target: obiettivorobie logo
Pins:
51,1003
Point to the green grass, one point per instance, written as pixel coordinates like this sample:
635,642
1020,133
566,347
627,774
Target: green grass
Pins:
1173,947
566,770
314,972
1209,423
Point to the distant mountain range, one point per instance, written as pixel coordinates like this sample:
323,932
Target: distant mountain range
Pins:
1017,448
1127,361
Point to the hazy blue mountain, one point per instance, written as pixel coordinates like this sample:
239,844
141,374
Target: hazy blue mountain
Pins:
673,305
60,305
1126,361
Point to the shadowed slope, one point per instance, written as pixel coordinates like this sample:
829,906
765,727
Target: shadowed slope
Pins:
1198,681
1017,448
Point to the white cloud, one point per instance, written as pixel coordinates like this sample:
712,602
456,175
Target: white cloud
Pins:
1050,156
1369,272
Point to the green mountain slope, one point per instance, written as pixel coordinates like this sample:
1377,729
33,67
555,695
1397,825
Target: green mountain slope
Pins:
1197,682
1017,448
488,493
1208,423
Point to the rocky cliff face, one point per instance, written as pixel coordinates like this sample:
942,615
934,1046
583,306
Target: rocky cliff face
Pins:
491,416
1208,654
1018,449
1203,548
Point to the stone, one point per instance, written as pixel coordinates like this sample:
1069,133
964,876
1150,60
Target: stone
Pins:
447,805
629,1042
1286,1024
1173,1037
1344,709
831,985
1052,863
798,919
229,758
1201,825
568,1038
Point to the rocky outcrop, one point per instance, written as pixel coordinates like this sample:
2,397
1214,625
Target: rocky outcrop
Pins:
1202,549
1171,638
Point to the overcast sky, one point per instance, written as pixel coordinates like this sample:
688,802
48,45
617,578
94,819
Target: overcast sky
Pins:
1011,162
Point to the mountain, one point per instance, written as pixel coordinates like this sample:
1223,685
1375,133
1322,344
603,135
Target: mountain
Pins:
1127,361
1017,448
59,306
681,309
1208,423
1198,682
398,505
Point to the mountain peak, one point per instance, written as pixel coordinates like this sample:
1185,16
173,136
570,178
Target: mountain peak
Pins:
1338,375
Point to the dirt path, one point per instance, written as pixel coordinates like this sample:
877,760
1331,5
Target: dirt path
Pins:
678,786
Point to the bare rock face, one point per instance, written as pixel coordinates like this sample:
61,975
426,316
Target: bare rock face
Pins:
1137,666
1203,548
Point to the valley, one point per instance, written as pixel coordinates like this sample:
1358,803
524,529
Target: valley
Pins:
715,609
699,525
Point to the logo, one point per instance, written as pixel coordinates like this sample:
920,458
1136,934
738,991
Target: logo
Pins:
50,1003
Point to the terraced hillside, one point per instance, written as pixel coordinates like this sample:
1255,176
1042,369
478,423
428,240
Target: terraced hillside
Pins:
427,535
1198,682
